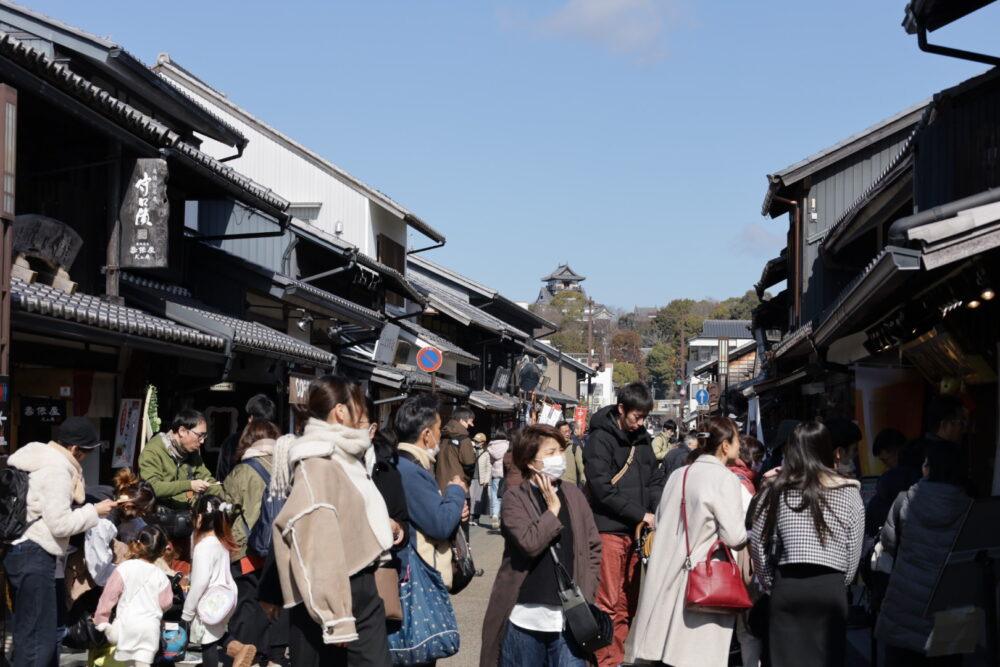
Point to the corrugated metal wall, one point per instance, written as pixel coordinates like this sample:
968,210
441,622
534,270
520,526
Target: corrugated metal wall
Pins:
959,153
228,217
834,190
299,180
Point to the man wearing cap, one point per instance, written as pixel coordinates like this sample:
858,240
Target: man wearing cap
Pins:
55,484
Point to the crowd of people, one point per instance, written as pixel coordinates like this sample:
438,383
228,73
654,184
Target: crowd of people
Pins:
342,543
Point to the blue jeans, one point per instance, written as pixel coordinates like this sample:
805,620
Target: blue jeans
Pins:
494,499
35,623
522,647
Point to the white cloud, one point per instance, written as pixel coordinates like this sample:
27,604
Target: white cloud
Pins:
624,27
758,241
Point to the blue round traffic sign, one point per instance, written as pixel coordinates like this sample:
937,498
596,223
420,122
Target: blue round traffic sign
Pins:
701,397
429,359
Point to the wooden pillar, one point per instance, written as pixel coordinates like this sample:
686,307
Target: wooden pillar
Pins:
8,167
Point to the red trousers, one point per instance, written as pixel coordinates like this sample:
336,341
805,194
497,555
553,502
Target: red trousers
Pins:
618,593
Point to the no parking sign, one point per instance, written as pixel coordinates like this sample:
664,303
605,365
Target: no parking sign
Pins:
430,359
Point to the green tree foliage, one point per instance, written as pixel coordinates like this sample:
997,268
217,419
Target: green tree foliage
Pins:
661,365
673,322
624,373
737,307
565,310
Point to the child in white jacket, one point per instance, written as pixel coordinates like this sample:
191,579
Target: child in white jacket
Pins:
211,599
141,592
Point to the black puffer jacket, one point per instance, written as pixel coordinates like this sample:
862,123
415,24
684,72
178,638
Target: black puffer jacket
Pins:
918,532
618,508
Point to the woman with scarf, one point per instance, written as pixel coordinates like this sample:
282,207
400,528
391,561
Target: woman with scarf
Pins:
332,533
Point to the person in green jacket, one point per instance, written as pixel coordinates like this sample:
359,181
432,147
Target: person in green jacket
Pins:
172,464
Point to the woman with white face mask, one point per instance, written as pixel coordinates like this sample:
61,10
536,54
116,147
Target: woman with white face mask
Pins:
524,623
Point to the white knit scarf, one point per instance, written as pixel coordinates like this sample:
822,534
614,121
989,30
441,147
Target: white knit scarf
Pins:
349,447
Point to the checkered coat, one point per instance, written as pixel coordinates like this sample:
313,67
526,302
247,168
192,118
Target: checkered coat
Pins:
845,516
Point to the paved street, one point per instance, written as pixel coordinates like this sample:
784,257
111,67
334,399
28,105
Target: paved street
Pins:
470,604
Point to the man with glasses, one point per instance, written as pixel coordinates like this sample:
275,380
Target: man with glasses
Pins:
173,466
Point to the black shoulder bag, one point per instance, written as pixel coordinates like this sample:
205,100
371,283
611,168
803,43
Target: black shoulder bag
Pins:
591,627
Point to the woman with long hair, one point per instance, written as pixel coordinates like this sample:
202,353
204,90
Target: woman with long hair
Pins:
211,599
665,629
334,529
524,623
806,546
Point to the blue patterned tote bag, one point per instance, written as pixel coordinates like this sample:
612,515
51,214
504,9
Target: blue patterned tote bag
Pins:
428,630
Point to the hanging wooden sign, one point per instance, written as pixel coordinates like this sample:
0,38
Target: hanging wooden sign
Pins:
144,216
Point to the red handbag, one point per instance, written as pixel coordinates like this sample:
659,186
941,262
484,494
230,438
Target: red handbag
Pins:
714,587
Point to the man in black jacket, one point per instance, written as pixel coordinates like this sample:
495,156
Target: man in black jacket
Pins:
625,484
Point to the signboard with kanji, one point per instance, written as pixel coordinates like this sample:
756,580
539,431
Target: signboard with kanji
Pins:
36,410
144,215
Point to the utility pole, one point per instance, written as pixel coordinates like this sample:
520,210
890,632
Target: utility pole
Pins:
590,332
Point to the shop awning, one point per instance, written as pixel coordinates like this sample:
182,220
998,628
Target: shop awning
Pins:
451,350
177,304
403,379
293,290
774,272
392,278
555,396
784,380
970,232
460,310
866,294
487,400
44,309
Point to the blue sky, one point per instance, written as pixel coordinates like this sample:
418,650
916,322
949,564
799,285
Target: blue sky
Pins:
630,138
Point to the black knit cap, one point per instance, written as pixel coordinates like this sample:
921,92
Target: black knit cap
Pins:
78,431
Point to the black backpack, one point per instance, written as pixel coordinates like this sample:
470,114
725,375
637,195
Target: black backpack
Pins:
259,537
13,504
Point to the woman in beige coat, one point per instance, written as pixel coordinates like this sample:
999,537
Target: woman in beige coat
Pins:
664,630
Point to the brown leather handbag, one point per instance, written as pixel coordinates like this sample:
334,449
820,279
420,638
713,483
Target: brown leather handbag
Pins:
714,587
387,583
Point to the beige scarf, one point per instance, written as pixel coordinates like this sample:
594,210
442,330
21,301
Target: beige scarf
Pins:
424,458
436,553
79,496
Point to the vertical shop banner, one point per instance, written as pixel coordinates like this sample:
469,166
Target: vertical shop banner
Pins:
298,388
144,215
126,432
580,417
886,397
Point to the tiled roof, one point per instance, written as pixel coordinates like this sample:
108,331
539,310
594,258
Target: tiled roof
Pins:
557,396
247,336
730,328
563,272
398,378
93,311
487,400
125,115
454,305
336,302
450,349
